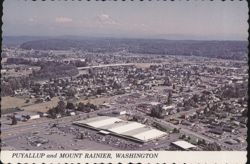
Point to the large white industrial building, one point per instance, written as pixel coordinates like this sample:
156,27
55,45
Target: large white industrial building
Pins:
127,129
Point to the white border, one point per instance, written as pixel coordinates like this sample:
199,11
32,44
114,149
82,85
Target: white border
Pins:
218,157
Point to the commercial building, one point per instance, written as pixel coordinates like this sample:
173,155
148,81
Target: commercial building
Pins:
126,129
184,145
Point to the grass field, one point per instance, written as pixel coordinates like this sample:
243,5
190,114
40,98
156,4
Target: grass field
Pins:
42,107
12,102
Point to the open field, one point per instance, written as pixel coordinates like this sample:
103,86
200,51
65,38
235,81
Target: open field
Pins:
143,65
42,107
12,102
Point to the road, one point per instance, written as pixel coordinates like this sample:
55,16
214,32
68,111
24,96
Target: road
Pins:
106,65
29,125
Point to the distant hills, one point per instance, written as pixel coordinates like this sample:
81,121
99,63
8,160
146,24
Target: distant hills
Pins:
18,40
220,49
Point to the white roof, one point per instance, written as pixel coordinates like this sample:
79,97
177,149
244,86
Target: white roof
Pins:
149,134
168,107
127,129
104,132
183,144
154,103
100,123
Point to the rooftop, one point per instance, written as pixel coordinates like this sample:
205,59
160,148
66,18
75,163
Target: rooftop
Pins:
184,144
127,129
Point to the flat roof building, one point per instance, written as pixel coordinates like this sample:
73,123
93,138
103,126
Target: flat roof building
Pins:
184,145
126,129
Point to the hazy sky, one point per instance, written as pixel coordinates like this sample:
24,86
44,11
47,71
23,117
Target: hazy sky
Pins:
185,19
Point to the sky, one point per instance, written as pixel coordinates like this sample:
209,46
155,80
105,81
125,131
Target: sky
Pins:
195,19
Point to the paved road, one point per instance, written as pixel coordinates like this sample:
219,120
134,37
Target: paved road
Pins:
106,65
29,125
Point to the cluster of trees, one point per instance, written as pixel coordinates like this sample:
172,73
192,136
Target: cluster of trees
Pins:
9,85
191,102
79,63
167,81
86,107
209,146
59,109
63,108
18,61
159,126
157,111
234,91
213,147
54,70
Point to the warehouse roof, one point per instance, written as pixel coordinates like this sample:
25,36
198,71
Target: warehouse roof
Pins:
127,129
183,144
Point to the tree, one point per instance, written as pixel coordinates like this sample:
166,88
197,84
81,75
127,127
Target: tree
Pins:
157,111
167,81
195,98
70,105
81,106
71,92
36,88
52,112
61,107
213,147
6,89
51,94
175,130
81,136
201,142
14,120
169,101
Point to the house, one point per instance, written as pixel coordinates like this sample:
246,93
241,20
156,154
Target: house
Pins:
119,112
32,117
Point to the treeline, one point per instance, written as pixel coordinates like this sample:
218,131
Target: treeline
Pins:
25,61
219,49
19,61
50,69
64,109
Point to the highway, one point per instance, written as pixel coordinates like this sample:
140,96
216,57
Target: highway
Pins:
31,124
106,65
